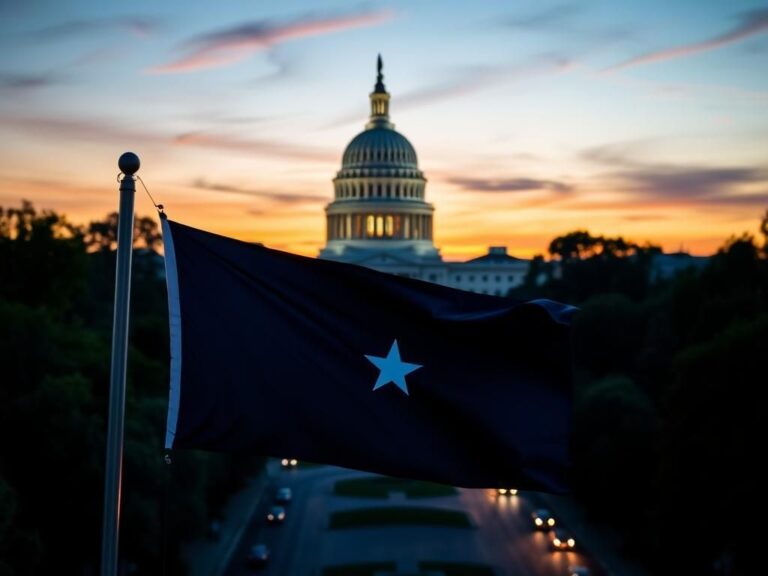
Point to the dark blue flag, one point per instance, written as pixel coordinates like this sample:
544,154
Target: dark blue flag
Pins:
284,355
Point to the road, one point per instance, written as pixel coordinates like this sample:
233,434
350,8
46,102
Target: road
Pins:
502,536
509,542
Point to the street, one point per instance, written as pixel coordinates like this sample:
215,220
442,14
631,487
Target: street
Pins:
501,536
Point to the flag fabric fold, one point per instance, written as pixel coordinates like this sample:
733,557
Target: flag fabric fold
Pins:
284,355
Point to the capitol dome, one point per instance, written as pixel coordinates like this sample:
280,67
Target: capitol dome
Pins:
379,193
380,147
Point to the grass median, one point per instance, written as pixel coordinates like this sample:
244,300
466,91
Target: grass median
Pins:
398,516
381,487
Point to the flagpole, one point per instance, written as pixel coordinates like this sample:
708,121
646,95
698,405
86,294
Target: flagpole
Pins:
129,165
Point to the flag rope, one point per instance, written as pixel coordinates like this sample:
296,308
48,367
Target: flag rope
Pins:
159,207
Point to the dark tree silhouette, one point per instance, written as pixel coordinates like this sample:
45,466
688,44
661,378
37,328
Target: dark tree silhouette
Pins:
102,234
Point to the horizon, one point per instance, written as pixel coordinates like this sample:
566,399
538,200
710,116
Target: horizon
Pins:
529,121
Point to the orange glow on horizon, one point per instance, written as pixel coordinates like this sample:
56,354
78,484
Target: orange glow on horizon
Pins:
300,227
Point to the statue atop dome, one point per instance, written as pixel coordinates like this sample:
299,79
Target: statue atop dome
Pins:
379,101
379,77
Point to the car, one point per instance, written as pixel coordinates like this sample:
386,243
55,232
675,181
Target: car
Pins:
258,555
507,491
559,539
289,462
283,495
276,514
543,519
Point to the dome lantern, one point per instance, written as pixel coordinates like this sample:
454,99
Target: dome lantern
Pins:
379,101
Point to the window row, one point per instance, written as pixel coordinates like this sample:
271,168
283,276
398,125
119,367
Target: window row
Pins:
382,155
346,190
395,226
484,278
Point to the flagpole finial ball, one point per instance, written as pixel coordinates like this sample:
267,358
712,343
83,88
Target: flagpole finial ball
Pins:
129,163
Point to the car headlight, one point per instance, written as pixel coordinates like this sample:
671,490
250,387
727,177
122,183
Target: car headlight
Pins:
571,542
538,522
551,521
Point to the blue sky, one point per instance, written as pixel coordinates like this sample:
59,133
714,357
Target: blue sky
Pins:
647,119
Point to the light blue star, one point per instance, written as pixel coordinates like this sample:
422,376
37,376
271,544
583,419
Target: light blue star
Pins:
392,369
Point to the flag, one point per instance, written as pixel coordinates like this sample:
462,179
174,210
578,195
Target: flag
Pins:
288,356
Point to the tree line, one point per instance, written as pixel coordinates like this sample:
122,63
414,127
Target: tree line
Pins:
56,303
668,374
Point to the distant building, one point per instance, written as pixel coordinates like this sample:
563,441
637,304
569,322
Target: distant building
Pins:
665,266
379,217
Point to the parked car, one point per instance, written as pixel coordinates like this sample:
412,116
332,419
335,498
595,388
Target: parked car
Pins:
283,495
258,555
276,514
289,462
559,539
542,519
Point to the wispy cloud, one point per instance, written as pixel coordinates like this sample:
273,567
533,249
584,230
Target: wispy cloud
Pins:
280,197
24,82
548,17
751,23
568,22
712,185
264,147
231,45
469,80
645,217
137,25
477,78
510,185
79,129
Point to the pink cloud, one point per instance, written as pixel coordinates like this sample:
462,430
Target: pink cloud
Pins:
233,45
751,24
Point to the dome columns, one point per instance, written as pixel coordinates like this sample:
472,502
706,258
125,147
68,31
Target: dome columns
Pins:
374,188
370,225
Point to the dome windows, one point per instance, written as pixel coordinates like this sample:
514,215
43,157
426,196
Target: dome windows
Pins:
379,226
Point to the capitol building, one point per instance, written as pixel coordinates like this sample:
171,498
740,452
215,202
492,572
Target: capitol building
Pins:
379,216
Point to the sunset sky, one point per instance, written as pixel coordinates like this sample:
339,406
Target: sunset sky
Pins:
645,119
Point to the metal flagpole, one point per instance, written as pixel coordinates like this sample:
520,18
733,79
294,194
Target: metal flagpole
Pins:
129,165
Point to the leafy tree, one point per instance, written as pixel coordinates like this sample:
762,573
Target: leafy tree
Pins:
42,259
102,234
712,450
56,301
615,445
667,422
